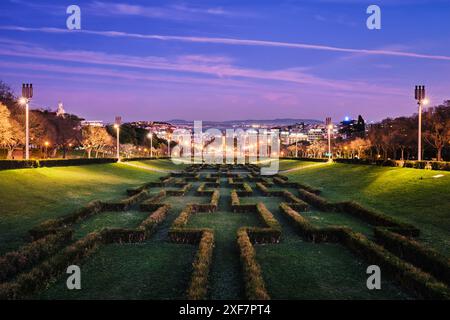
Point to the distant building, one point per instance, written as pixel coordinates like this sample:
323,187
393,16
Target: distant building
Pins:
315,134
350,128
93,123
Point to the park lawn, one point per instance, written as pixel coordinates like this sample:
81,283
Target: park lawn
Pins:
288,164
31,196
150,270
411,195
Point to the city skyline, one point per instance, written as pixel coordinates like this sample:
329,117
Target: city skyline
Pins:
227,60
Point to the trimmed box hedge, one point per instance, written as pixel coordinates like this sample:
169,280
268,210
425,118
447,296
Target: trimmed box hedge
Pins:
40,276
198,286
415,253
27,256
255,288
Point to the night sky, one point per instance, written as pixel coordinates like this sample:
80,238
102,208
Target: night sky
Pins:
223,60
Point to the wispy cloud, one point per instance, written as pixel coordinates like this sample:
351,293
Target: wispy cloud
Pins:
211,67
170,12
239,42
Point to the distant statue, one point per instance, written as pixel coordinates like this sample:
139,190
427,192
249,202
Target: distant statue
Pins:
60,112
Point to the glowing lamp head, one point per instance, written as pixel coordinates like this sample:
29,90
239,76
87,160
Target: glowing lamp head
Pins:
330,126
425,102
347,118
22,101
116,126
149,135
46,143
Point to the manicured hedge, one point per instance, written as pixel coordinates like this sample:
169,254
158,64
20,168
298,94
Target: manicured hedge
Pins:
293,200
18,164
414,252
180,192
154,202
22,164
308,188
254,283
435,165
247,190
305,159
261,187
408,276
39,277
15,262
315,200
307,231
376,218
198,286
53,226
125,204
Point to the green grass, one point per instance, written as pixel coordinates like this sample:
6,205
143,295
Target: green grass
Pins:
31,196
157,269
153,270
410,195
118,219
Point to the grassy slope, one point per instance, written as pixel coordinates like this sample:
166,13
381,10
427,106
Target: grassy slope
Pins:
411,195
30,196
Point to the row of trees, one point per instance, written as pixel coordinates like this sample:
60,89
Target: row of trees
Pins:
54,135
391,139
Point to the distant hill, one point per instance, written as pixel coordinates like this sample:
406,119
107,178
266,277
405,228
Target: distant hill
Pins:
238,123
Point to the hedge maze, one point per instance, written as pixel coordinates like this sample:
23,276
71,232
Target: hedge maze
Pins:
191,202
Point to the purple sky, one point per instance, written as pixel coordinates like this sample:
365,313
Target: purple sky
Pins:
222,60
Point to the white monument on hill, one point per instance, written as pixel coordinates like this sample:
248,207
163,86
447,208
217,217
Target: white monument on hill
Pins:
60,112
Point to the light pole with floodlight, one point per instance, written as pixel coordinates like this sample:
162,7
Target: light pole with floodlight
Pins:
421,101
150,136
27,94
329,128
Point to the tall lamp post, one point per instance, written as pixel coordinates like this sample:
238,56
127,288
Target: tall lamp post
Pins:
27,94
329,128
117,127
421,101
150,136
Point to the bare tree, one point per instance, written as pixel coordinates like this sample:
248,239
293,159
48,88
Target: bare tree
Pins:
437,127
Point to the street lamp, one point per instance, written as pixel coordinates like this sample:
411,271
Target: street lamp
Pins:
27,94
150,136
46,143
117,127
329,128
419,94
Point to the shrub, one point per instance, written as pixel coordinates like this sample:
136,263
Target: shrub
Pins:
262,188
291,199
37,278
74,162
308,188
125,203
53,226
18,164
15,262
234,200
376,218
154,202
254,283
247,190
307,230
412,251
315,200
158,216
410,277
198,286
